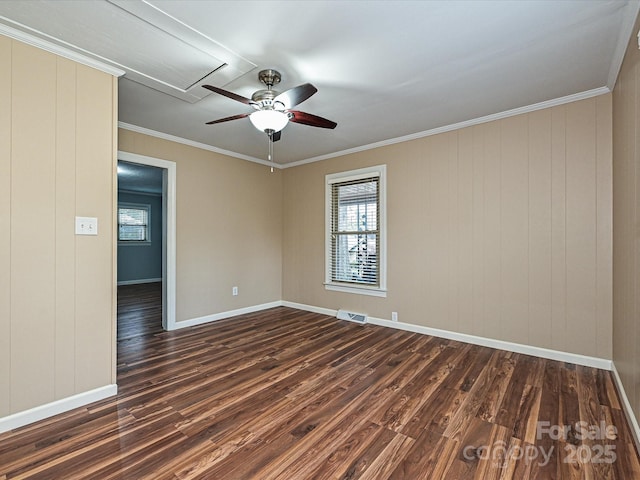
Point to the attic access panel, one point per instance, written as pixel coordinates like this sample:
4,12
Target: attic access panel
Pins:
152,47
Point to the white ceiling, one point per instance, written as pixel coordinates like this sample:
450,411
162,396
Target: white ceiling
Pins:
385,70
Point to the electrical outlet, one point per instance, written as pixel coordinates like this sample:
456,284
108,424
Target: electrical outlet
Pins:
234,291
394,316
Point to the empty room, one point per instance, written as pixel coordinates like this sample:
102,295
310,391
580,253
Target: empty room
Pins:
255,240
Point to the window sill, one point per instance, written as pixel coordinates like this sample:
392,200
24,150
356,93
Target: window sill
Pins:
134,244
359,290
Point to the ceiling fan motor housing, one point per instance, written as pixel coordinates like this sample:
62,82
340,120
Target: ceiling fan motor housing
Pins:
264,100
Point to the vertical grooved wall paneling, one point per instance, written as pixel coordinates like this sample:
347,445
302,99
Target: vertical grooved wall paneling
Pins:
626,224
56,289
94,171
581,225
604,228
558,229
497,230
5,226
65,239
539,229
33,227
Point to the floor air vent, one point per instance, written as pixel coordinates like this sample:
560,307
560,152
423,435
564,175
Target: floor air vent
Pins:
352,316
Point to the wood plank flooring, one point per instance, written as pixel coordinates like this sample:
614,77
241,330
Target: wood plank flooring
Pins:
287,394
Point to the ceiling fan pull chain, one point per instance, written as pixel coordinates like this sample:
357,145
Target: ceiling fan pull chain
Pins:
270,138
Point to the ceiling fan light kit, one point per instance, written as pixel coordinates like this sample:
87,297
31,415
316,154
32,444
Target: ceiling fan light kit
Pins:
272,108
265,120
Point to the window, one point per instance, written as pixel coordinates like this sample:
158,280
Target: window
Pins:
133,223
355,231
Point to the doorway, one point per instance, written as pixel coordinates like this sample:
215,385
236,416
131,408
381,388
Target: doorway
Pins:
165,174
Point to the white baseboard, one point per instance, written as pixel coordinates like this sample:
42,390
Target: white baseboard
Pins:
222,315
310,308
558,355
626,406
578,359
137,282
41,412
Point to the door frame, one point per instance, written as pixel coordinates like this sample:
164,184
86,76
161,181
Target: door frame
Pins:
168,232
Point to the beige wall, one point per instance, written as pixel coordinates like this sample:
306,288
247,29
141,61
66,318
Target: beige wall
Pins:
626,218
501,230
57,128
229,227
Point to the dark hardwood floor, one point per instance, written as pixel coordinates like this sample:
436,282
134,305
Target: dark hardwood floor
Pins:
286,394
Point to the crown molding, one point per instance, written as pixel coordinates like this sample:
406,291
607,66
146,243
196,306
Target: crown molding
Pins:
192,143
51,47
457,126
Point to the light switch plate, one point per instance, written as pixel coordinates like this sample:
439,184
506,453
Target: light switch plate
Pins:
86,226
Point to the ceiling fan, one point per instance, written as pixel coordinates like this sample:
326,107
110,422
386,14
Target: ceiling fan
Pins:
272,108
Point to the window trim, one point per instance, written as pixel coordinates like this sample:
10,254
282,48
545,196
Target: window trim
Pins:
381,172
135,243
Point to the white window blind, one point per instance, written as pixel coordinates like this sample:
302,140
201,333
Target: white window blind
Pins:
133,223
355,231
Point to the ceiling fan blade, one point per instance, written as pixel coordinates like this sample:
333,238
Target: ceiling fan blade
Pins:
295,95
311,120
231,95
227,119
275,136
